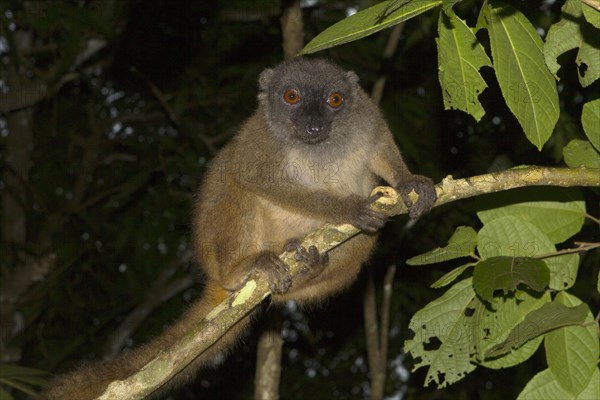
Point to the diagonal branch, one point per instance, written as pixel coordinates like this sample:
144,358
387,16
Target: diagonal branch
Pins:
169,362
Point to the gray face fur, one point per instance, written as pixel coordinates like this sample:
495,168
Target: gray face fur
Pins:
312,119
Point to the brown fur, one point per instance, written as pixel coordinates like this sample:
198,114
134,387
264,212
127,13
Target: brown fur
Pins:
260,191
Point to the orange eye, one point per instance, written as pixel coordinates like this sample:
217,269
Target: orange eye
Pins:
291,96
335,100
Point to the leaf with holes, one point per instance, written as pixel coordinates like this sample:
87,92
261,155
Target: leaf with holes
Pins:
460,56
511,236
574,32
505,273
441,342
493,325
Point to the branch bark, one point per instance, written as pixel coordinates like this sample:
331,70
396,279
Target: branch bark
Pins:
292,28
376,331
167,363
268,362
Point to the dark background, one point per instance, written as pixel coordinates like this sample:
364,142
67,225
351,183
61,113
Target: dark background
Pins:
118,146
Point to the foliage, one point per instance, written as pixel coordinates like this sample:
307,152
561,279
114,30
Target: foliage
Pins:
509,271
21,378
139,95
517,296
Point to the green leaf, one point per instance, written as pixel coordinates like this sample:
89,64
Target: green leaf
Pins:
515,356
443,322
579,153
545,386
367,22
506,273
588,57
511,236
559,220
571,32
494,324
590,119
592,16
460,56
526,83
448,4
572,352
461,244
451,276
563,35
550,316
